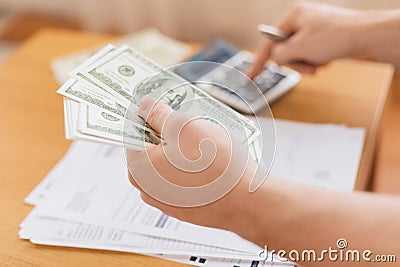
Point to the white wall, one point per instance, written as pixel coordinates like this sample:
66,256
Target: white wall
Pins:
197,20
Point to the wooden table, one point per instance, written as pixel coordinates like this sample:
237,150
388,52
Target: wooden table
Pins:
32,135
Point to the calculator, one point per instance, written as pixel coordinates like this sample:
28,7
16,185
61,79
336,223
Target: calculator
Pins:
228,82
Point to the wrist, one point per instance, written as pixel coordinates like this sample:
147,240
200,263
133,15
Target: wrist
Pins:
257,211
243,217
375,35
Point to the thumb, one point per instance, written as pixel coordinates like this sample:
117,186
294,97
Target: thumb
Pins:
155,112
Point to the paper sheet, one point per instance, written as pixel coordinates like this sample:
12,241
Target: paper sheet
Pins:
90,185
323,155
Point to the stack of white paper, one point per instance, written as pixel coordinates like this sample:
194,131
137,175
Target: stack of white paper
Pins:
87,201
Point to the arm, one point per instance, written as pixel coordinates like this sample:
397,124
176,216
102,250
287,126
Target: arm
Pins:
288,216
321,33
281,214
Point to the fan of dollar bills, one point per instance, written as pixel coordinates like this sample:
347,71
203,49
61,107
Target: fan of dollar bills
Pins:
102,96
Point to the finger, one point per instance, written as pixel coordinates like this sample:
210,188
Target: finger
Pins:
287,21
262,56
304,67
149,200
134,160
288,51
155,112
132,180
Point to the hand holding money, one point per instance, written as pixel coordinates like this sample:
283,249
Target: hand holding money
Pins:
194,155
103,94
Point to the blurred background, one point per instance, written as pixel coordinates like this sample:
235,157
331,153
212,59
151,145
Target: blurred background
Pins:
189,20
185,20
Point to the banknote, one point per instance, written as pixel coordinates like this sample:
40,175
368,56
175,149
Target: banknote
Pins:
99,123
93,96
103,94
83,92
75,129
129,76
96,130
71,118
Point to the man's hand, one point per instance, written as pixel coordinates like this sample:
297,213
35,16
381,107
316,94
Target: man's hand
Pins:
198,170
319,34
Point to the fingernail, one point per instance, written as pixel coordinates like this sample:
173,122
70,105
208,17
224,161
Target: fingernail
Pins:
146,103
250,73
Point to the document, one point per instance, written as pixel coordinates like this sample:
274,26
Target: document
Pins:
72,200
324,155
87,201
85,196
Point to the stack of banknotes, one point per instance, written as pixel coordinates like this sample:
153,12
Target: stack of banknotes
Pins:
103,93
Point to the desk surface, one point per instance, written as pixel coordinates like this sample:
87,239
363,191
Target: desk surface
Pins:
348,92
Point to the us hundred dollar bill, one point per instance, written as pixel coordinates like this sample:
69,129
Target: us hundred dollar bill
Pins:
128,76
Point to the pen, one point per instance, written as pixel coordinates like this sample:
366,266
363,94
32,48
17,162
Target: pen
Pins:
279,35
274,33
